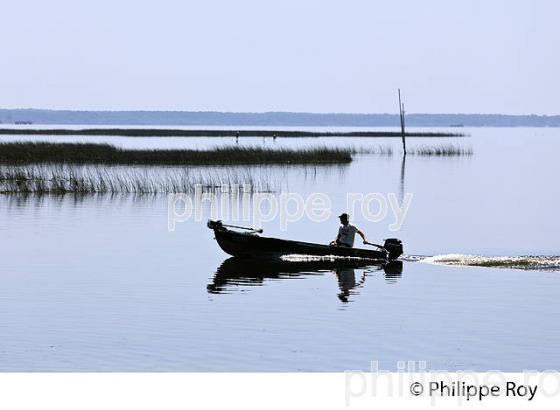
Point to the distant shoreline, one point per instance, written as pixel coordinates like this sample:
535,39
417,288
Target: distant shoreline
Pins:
165,132
210,119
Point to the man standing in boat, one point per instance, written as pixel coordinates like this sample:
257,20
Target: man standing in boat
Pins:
346,233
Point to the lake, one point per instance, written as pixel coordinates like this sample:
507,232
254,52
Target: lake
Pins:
99,283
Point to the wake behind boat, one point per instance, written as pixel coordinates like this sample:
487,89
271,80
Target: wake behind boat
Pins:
251,245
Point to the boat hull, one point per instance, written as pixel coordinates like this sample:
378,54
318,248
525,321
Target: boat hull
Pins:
247,245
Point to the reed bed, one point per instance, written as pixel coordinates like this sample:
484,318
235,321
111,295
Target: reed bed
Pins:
449,150
440,151
381,151
93,180
90,153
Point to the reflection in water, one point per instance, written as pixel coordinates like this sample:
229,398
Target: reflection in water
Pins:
347,282
401,186
393,271
25,201
235,272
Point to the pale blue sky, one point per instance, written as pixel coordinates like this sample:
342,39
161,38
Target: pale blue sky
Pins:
290,55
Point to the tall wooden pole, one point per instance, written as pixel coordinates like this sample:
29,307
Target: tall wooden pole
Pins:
401,113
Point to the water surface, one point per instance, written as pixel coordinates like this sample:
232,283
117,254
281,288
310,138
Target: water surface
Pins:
98,283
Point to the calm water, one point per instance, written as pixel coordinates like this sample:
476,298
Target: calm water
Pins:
100,284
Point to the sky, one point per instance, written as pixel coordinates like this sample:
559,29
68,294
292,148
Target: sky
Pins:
462,56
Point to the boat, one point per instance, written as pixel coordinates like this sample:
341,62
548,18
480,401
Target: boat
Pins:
251,245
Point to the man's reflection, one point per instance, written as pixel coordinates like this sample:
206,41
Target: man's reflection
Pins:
347,282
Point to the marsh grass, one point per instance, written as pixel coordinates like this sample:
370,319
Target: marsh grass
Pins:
449,150
87,180
381,151
91,153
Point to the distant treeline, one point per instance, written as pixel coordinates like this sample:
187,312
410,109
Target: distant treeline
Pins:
211,118
151,132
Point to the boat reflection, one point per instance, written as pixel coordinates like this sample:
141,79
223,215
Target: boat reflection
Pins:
235,272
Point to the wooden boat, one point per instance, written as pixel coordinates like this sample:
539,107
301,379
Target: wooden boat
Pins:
251,245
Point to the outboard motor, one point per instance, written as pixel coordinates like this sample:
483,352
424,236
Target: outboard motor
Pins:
394,247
